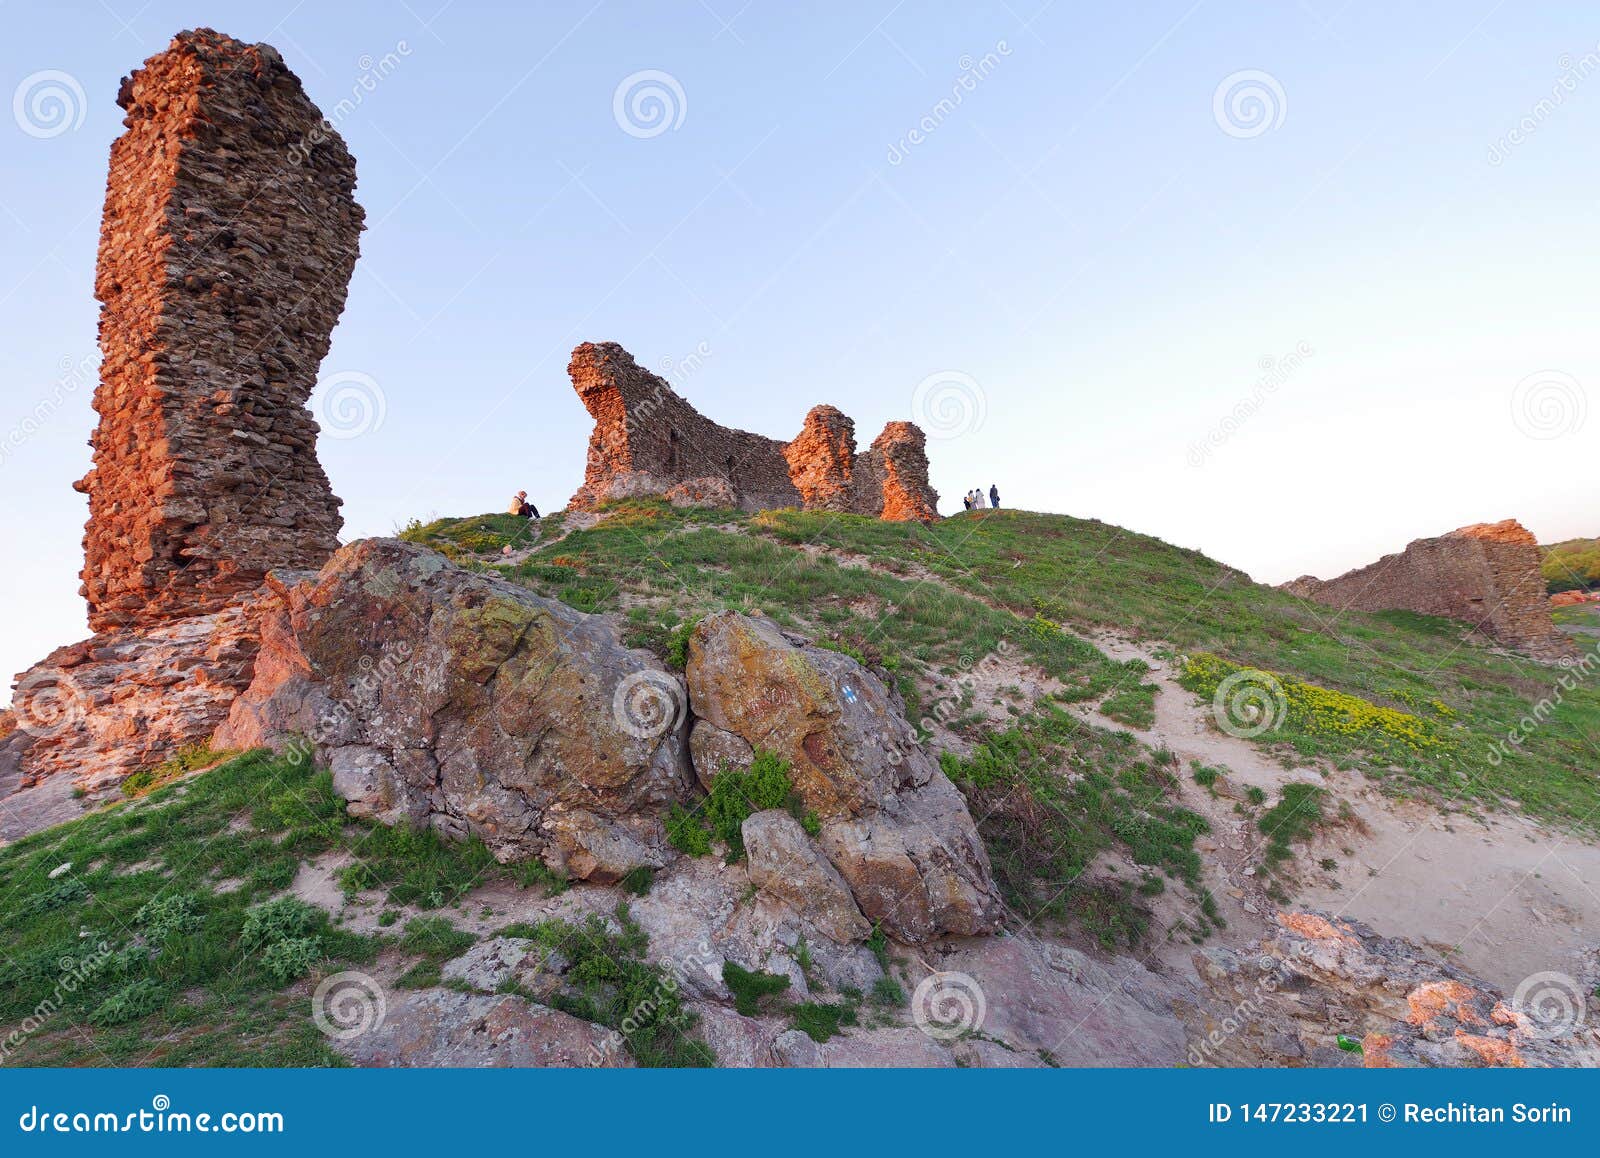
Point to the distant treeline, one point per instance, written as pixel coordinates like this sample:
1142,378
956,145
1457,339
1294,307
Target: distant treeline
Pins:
1573,565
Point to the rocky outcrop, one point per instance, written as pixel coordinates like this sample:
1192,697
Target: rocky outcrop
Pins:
444,697
648,440
1486,575
223,268
1315,979
441,1028
439,696
892,824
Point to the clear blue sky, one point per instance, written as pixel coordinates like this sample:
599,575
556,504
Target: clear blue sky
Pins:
1103,253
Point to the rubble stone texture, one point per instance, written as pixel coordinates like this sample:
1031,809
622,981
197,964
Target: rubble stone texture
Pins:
648,440
1486,575
229,236
1313,979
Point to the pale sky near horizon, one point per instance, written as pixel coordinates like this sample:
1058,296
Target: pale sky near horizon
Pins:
1077,276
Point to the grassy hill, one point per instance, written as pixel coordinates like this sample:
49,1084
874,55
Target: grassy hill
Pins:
1408,699
1573,565
170,939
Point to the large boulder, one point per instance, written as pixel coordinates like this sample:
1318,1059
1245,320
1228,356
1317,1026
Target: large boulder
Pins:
441,696
788,865
893,826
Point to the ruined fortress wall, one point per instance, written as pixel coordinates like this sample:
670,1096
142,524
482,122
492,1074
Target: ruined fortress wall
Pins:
226,248
1486,575
648,440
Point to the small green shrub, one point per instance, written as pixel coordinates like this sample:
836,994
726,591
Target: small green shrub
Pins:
134,1000
678,643
749,986
820,1021
286,960
167,916
281,919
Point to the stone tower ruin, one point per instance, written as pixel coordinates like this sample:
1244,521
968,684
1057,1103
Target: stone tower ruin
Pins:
227,244
648,440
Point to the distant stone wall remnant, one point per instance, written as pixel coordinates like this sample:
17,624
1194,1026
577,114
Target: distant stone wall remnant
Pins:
649,441
1486,575
224,260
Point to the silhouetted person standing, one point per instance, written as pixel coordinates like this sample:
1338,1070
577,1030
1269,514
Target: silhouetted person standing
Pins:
994,496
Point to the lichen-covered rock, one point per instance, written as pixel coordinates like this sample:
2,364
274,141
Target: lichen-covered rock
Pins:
711,750
1314,979
470,703
786,863
893,825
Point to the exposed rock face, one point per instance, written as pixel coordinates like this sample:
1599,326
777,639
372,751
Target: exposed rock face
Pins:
1486,575
785,862
649,441
223,268
438,1028
441,696
893,825
1315,978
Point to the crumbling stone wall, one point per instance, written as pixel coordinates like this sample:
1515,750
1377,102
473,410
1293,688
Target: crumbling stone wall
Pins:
225,253
649,441
1486,575
229,237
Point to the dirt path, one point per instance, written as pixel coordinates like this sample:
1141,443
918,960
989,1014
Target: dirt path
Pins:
1504,897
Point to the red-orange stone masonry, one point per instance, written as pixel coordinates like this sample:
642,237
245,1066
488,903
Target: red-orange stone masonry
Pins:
229,236
648,440
1486,575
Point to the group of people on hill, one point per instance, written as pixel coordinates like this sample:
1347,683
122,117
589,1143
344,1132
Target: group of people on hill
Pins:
974,499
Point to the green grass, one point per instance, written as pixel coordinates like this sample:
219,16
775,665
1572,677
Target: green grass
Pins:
480,535
751,986
610,982
1051,794
736,795
1011,579
1291,821
173,915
